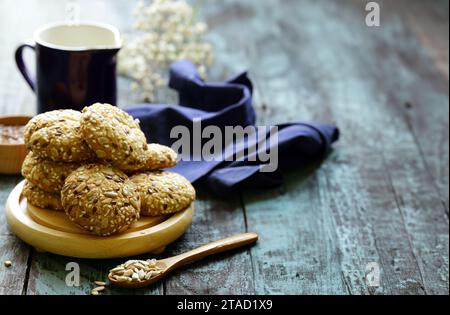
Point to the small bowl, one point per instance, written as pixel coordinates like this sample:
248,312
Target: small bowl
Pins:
12,154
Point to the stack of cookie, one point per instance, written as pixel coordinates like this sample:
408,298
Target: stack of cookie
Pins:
97,166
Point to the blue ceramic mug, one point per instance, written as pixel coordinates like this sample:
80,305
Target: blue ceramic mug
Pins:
75,65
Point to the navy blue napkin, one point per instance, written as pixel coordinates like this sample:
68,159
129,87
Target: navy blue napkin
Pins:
229,104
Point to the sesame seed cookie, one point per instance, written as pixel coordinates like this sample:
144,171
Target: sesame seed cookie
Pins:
55,135
159,156
114,136
163,192
100,199
46,174
40,198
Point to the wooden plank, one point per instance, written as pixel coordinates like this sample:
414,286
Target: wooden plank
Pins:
388,82
428,20
227,273
13,279
420,177
419,202
297,253
427,113
290,256
363,205
7,183
313,243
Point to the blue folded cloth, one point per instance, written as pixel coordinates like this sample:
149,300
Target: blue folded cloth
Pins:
203,105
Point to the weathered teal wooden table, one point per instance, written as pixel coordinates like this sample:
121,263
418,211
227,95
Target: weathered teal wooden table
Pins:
380,198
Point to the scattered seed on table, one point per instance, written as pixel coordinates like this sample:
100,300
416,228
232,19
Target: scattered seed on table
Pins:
98,289
100,283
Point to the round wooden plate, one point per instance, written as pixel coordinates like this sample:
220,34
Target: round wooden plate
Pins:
51,231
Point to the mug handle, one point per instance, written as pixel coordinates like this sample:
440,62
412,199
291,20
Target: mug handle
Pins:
21,64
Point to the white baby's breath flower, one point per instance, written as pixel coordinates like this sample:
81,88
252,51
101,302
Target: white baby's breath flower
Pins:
167,30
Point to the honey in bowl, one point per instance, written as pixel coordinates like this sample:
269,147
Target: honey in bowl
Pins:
12,146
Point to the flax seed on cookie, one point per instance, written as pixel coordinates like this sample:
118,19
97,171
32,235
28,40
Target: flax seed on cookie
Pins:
55,135
114,136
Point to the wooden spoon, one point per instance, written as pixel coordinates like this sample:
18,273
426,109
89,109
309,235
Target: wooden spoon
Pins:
169,264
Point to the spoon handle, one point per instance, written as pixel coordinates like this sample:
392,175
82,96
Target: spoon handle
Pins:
219,246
